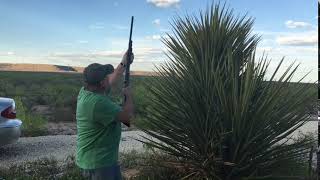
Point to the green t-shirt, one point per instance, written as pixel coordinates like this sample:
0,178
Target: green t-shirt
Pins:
98,132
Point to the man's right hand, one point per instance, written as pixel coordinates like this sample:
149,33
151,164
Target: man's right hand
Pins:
127,109
127,92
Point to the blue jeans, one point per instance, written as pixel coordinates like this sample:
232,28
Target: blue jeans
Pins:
105,173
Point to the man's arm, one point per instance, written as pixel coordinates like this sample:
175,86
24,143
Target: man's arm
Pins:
115,76
127,112
118,72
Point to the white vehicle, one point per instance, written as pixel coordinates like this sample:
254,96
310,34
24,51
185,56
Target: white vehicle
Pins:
10,127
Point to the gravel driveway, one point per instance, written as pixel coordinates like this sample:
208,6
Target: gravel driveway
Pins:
59,147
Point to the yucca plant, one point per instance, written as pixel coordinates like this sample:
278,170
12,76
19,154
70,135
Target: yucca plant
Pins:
213,108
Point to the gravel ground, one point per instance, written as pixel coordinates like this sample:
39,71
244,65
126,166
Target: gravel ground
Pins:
70,128
59,147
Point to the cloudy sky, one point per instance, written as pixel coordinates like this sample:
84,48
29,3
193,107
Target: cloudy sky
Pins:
78,33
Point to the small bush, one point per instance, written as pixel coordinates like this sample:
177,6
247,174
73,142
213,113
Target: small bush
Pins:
32,124
64,115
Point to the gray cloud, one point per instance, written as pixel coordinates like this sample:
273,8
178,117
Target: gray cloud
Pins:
296,24
141,55
156,22
298,40
154,37
8,53
164,3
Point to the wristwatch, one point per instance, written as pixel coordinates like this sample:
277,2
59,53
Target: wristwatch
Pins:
123,65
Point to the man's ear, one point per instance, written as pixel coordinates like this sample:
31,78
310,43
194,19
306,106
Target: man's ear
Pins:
101,84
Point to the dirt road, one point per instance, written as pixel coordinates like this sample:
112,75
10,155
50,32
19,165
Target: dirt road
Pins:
59,147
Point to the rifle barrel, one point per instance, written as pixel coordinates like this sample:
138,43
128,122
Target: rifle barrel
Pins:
129,54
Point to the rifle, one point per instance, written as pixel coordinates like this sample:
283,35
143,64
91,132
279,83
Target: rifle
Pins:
127,71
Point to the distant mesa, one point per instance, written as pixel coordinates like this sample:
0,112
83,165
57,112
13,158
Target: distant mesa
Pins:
55,68
36,68
4,66
66,68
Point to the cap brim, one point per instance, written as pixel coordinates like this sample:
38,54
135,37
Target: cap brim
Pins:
108,68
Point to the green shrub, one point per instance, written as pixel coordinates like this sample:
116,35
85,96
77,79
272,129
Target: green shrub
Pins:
32,124
213,108
140,99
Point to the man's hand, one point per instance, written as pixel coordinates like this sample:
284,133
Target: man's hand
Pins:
127,92
124,58
127,109
118,72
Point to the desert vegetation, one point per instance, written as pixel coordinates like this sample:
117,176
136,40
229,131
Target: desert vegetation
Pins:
211,109
214,110
57,94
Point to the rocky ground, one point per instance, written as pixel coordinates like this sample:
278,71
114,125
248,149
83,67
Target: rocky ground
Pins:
62,128
58,146
70,128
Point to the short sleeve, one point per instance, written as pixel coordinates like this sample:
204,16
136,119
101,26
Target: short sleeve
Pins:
105,111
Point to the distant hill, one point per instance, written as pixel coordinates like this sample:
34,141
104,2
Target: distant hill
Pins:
54,68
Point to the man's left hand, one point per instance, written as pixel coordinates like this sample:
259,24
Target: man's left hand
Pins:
124,58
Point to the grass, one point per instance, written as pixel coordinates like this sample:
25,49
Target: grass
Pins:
146,166
33,124
46,168
59,91
49,168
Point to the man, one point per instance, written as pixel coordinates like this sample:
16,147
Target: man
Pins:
99,121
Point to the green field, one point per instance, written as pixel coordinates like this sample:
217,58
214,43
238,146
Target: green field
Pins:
60,90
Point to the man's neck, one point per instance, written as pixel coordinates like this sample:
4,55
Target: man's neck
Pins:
95,89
